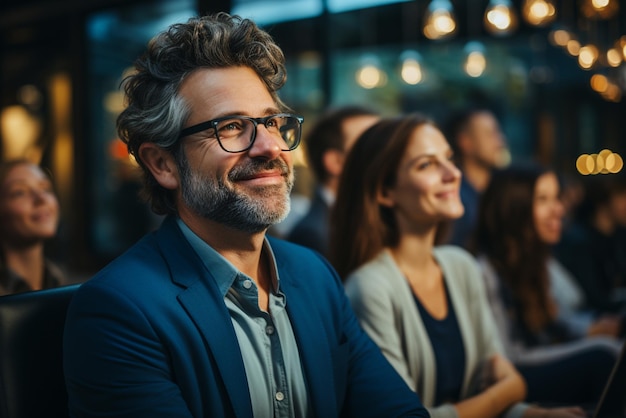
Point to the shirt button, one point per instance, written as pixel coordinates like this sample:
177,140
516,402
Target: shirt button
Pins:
269,330
247,284
280,396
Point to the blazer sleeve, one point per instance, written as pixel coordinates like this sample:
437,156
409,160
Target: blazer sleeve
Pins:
129,374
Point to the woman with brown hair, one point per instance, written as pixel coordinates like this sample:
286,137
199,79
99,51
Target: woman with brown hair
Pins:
29,215
424,306
520,218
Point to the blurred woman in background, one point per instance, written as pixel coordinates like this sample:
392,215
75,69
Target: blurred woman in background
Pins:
520,218
425,307
29,215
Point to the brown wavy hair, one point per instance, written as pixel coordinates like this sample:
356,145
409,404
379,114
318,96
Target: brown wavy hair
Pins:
506,234
359,226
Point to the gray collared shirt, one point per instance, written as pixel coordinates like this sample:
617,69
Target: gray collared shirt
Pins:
268,346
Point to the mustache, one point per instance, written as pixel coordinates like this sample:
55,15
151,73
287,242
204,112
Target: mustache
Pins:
254,167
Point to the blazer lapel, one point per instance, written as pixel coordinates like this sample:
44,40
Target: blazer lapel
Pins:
204,303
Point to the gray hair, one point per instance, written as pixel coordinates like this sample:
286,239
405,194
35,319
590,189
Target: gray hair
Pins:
155,111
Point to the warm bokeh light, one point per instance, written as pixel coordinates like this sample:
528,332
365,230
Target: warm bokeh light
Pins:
599,9
370,74
614,57
613,93
30,96
573,47
587,56
604,162
475,61
617,163
500,18
439,21
560,37
20,131
599,83
411,69
475,64
539,12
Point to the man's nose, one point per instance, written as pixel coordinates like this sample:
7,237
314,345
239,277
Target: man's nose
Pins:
266,144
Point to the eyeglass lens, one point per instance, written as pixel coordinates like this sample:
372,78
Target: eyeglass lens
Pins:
236,134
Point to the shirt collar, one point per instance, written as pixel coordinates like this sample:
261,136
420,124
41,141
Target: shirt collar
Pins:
223,270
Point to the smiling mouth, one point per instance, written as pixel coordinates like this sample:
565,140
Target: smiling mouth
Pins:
448,194
262,175
259,170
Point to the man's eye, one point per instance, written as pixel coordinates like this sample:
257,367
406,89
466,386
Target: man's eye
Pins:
231,126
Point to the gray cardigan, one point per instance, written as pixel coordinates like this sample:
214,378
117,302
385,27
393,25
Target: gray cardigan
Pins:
384,303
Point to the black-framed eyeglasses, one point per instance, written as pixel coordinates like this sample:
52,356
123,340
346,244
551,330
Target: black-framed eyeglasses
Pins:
237,133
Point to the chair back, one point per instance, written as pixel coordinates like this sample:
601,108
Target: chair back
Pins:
31,342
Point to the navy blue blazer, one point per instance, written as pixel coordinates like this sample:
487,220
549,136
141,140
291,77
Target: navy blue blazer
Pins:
150,336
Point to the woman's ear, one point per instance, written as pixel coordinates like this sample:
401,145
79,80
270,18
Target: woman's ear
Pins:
385,197
160,163
333,160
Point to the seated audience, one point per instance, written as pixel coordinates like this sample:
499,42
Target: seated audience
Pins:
425,307
327,145
520,217
593,248
29,215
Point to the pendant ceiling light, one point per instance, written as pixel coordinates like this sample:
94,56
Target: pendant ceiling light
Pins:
475,61
411,67
500,18
439,21
599,9
539,12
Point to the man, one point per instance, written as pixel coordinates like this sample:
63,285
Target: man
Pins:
208,317
480,147
327,144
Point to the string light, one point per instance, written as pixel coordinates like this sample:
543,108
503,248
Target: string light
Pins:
587,56
439,21
475,61
599,9
370,74
539,12
614,57
500,18
411,68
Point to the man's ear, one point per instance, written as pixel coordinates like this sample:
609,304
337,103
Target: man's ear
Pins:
464,143
160,163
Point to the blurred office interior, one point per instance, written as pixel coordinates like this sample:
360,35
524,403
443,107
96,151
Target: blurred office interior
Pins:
555,71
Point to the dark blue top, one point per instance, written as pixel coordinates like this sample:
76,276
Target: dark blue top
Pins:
447,343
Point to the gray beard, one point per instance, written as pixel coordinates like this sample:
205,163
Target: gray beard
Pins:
212,199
